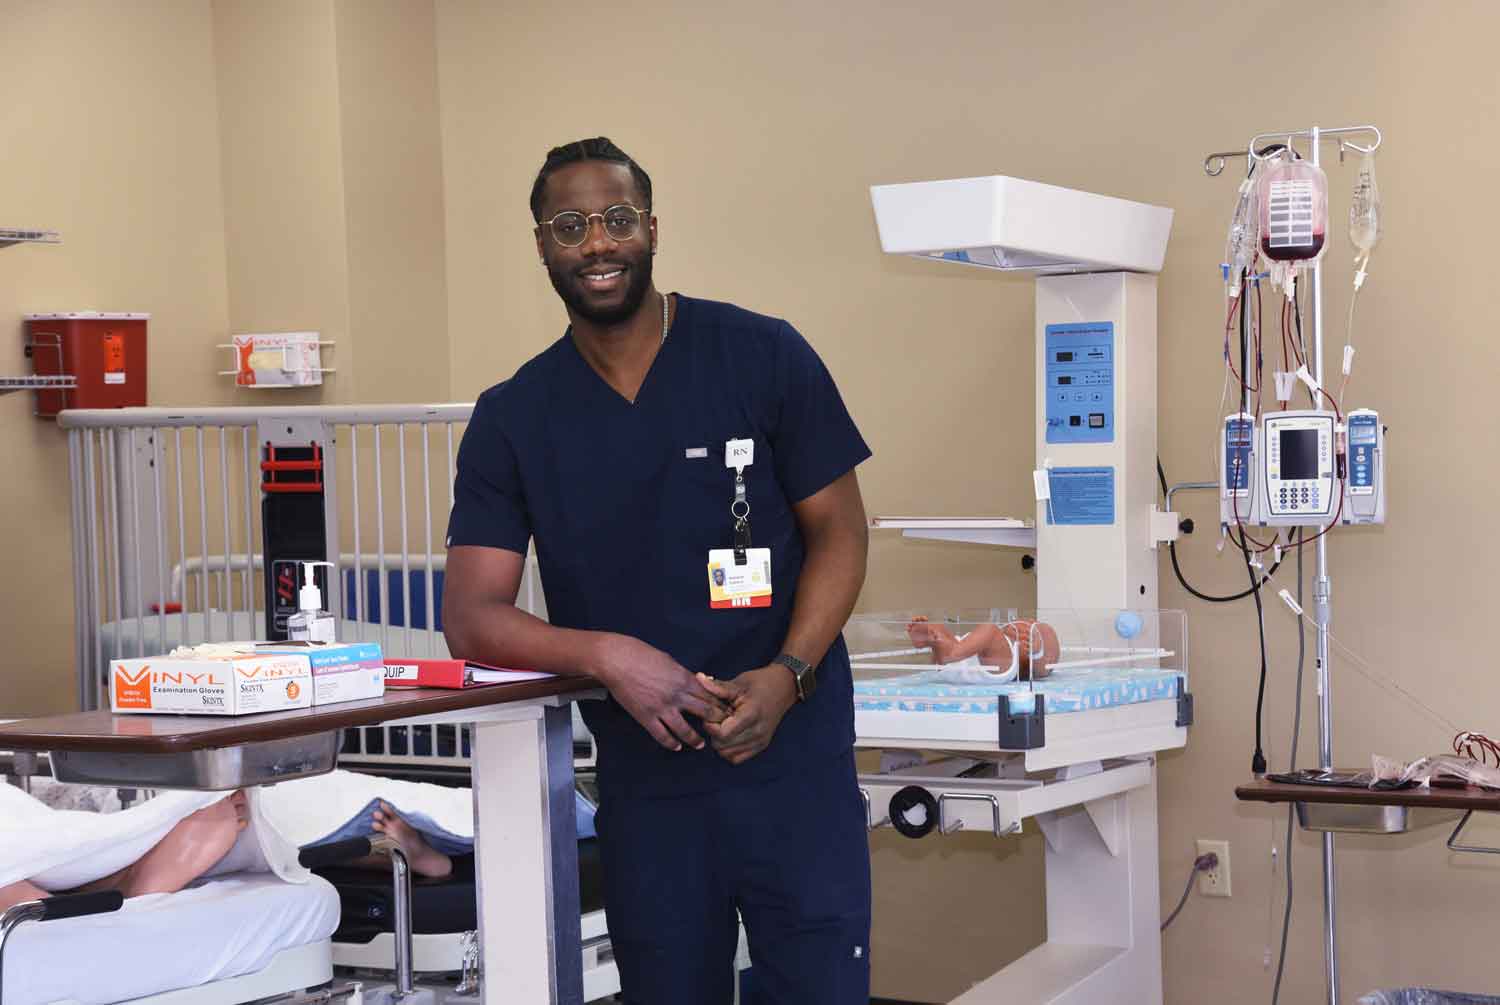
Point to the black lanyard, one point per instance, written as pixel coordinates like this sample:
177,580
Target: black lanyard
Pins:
739,509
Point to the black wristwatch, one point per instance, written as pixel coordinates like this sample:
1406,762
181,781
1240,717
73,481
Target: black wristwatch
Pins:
806,676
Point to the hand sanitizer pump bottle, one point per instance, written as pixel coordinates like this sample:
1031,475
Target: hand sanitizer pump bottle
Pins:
311,623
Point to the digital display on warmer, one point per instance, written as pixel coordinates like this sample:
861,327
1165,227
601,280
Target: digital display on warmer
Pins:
1299,454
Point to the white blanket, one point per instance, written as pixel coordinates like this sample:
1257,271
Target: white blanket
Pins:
63,849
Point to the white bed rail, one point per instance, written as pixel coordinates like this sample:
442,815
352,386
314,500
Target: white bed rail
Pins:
159,493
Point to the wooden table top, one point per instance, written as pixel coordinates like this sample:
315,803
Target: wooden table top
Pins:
172,734
1466,798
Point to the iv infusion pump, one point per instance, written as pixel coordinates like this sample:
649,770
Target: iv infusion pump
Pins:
1283,470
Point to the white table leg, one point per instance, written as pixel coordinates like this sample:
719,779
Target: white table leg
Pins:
526,858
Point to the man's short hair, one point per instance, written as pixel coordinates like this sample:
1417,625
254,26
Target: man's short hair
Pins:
597,149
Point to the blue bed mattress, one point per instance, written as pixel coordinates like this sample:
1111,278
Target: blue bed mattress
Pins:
1064,691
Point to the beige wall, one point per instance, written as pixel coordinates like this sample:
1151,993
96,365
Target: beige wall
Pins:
333,188
110,134
362,168
284,181
393,190
225,166
762,125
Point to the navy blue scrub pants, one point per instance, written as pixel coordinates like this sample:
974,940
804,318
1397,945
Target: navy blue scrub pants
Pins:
791,855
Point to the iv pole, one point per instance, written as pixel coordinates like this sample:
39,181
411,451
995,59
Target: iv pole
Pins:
1214,164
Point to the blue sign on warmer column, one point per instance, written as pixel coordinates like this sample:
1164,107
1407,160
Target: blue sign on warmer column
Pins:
1081,496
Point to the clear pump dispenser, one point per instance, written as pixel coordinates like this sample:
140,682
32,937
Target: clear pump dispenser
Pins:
311,623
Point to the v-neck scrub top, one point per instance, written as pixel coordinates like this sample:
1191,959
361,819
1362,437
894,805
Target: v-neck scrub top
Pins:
626,500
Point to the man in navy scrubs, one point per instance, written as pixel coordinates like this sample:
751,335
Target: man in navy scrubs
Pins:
686,469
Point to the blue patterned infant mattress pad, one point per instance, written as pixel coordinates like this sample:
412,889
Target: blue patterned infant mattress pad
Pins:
1069,690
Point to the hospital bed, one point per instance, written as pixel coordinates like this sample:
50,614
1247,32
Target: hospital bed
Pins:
441,754
526,865
186,948
430,923
193,942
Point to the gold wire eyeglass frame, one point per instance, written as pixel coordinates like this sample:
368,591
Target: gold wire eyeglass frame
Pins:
588,224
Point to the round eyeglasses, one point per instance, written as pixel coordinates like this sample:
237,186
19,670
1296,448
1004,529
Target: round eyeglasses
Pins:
571,228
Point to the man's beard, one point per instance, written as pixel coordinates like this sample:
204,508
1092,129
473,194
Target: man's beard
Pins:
570,288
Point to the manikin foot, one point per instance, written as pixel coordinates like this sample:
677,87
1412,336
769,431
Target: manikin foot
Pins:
189,850
424,859
935,637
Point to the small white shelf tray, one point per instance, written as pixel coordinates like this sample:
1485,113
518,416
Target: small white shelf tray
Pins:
1006,532
20,235
9,385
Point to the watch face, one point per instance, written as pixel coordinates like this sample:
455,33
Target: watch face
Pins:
804,675
807,682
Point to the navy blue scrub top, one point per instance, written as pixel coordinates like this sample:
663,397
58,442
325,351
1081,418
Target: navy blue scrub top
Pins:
624,517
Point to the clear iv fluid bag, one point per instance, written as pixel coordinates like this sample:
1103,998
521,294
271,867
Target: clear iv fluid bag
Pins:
1293,197
1240,248
1364,210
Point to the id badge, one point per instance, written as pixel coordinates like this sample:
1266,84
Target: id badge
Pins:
731,585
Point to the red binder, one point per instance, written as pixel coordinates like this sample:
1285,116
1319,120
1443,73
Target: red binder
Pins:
450,673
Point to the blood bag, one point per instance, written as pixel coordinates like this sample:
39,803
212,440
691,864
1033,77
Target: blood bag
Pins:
1293,197
1364,210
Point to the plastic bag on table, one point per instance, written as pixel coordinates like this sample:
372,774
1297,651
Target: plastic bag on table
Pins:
1444,768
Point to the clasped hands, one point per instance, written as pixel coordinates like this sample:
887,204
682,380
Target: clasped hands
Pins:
740,716
756,700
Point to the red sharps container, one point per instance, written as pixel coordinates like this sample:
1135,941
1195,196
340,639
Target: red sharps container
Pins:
105,354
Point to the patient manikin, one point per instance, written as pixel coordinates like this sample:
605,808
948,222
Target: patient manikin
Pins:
204,843
989,653
189,850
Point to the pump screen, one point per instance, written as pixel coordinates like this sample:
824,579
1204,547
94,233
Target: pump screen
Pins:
1299,454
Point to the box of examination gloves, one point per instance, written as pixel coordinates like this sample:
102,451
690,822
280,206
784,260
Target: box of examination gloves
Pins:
223,683
341,671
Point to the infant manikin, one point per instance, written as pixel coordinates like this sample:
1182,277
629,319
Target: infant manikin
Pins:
989,653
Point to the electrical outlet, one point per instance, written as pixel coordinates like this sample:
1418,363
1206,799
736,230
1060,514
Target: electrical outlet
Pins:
1214,882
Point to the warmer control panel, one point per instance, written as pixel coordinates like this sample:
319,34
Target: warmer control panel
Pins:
1080,388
